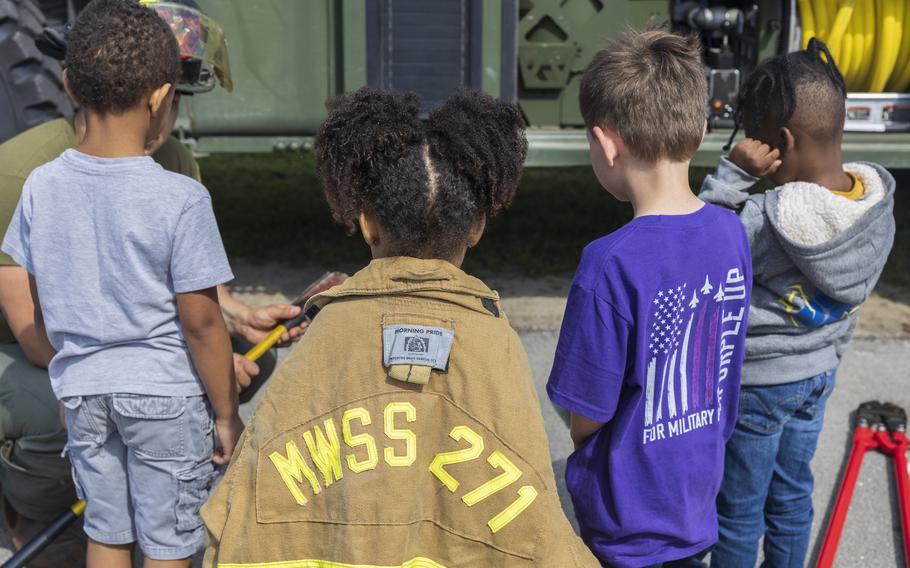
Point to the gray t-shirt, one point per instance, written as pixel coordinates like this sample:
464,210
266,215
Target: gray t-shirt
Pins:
110,242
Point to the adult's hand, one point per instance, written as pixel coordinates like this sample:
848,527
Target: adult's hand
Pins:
254,324
260,321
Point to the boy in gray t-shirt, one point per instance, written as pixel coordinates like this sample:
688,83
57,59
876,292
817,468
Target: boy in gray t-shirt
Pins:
124,258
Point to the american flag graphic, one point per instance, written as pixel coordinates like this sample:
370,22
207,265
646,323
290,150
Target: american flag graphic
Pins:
664,343
678,359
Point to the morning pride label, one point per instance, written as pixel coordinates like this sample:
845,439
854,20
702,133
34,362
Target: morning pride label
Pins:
406,344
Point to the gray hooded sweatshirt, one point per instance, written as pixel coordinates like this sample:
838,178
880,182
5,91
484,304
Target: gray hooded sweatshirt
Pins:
816,256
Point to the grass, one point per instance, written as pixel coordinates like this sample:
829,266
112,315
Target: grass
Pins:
270,207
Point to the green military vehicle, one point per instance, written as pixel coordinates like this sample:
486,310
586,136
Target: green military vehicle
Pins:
288,56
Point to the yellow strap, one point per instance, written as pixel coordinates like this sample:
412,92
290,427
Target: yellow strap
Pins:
418,562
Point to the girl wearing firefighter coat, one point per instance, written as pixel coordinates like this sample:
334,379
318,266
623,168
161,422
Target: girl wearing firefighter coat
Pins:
404,431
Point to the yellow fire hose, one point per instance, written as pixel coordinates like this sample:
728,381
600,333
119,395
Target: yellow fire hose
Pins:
46,536
869,40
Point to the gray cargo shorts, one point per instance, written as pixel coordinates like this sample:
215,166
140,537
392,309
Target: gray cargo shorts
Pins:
143,464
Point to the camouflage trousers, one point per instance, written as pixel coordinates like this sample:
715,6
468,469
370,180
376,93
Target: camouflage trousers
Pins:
34,478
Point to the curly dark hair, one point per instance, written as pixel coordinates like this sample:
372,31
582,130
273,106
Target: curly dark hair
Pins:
428,183
118,52
801,88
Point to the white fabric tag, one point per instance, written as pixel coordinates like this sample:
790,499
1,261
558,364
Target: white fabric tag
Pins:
406,344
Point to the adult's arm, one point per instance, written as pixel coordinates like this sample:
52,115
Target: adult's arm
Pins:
254,324
19,310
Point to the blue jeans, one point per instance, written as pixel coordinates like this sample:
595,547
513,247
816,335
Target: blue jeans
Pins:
767,486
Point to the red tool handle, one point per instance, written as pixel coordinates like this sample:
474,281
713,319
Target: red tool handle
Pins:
863,441
899,453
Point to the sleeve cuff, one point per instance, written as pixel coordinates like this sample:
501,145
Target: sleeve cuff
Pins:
577,406
203,282
730,173
19,258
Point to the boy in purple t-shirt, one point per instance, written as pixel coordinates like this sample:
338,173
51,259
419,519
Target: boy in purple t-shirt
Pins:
651,347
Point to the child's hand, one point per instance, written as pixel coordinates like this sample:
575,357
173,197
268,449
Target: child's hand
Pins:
755,158
229,431
244,370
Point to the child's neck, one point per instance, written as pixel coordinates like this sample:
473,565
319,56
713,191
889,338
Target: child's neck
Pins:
115,135
825,168
660,188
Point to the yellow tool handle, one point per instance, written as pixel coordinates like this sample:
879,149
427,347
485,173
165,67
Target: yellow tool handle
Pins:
78,507
263,346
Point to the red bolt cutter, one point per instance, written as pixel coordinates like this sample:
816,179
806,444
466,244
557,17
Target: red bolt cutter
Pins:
883,427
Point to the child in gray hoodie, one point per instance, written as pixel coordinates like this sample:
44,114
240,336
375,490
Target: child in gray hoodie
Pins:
819,241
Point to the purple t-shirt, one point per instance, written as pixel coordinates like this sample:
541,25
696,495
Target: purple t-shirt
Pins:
652,345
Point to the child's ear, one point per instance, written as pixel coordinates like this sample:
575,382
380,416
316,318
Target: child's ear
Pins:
609,143
66,85
787,140
160,97
477,231
369,228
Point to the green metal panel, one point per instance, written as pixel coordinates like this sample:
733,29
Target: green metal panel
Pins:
771,26
556,41
568,147
353,56
491,46
282,60
288,56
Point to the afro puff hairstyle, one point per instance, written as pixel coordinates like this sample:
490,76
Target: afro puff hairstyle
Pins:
118,52
427,183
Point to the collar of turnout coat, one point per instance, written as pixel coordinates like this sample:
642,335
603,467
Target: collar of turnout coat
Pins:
427,278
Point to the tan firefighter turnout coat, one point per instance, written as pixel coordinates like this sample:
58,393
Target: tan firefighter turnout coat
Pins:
403,431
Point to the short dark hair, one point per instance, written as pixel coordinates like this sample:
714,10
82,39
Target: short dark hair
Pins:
119,51
804,89
427,183
650,87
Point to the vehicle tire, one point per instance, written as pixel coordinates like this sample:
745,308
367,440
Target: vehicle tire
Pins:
31,90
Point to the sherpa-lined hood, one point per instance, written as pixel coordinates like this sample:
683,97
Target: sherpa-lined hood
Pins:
826,235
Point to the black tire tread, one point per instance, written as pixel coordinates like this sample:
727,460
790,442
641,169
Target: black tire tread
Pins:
31,80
